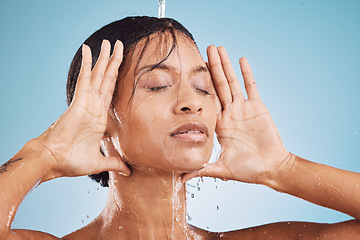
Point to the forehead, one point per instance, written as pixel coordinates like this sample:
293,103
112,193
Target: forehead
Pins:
176,50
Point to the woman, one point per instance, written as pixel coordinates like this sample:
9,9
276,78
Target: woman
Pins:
152,108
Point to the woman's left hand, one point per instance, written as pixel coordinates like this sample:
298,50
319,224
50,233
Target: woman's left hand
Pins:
252,150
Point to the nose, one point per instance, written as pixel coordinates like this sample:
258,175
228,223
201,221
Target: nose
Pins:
187,100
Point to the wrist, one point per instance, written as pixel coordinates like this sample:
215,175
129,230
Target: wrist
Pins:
41,157
279,175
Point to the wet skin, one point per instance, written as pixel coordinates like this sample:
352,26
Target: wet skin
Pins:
150,202
165,129
169,122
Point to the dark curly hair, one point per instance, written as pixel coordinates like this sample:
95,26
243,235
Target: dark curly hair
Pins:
129,31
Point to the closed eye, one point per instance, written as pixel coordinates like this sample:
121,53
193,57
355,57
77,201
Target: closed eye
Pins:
202,91
157,88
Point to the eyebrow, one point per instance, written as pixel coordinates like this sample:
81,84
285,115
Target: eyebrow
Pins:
148,68
200,69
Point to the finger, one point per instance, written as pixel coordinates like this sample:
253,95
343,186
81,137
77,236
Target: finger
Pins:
217,105
111,73
83,80
114,164
216,98
207,65
211,170
230,75
249,80
100,66
217,73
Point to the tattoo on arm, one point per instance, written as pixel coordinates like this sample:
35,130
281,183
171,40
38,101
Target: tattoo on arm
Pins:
3,168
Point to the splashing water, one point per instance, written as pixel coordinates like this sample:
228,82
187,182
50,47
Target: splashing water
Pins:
161,9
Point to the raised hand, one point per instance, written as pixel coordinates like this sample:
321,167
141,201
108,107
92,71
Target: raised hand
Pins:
252,150
74,139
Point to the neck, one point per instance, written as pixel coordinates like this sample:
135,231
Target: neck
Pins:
148,203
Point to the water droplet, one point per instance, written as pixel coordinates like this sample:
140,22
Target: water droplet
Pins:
217,207
214,179
97,189
198,188
82,221
192,195
87,216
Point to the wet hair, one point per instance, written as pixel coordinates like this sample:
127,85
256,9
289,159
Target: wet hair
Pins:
130,31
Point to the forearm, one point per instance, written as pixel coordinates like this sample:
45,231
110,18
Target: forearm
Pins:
320,184
297,230
18,177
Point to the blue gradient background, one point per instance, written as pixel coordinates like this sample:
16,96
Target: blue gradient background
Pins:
305,58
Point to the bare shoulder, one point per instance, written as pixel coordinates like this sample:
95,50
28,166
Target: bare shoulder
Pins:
199,233
298,230
23,234
89,232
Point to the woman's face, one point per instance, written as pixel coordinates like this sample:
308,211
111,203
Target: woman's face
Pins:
169,121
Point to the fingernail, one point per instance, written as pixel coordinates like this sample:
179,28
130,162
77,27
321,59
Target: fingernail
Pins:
221,50
119,45
244,60
103,43
213,50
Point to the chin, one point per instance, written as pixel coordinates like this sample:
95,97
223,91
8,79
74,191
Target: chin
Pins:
171,158
190,163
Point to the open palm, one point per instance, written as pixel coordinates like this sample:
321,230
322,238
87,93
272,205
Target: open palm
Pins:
74,139
252,149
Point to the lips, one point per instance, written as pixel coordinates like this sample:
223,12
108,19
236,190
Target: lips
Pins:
191,132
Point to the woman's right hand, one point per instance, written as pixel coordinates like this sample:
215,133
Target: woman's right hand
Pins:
73,141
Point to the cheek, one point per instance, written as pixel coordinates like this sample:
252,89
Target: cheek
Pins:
211,114
145,131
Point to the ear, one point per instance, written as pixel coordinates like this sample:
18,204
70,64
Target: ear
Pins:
110,135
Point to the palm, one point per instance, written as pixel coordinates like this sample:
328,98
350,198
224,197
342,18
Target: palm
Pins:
77,135
249,140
